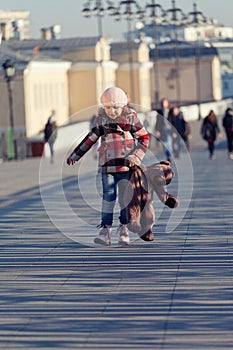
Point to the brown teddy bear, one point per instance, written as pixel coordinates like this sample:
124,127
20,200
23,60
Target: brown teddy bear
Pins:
139,196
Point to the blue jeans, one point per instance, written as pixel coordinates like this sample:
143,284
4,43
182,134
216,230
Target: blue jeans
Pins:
51,148
167,145
110,184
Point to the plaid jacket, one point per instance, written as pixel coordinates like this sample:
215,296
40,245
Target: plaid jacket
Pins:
119,138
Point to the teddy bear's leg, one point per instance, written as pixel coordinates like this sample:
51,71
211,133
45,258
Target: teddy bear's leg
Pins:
148,236
161,193
147,219
134,224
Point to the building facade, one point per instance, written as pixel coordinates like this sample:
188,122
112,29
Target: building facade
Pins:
38,87
14,25
186,73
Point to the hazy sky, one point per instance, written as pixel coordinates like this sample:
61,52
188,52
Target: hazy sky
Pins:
68,13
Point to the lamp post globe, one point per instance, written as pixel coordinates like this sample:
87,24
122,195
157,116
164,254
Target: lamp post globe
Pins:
9,69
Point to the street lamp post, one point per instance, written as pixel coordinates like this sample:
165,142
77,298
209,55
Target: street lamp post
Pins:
155,10
131,10
176,21
198,18
9,70
95,8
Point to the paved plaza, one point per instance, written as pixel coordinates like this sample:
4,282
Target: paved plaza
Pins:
60,291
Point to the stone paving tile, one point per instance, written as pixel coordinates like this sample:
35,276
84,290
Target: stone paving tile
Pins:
174,293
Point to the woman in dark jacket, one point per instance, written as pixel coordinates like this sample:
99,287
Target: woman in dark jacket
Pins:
209,131
178,133
227,123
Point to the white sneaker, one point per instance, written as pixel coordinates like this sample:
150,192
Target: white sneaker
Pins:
104,236
231,156
123,235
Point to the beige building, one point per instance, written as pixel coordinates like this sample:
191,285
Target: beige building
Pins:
189,77
133,73
46,89
91,72
91,69
69,75
14,25
38,87
97,64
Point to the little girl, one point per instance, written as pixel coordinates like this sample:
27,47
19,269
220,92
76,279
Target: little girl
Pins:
123,144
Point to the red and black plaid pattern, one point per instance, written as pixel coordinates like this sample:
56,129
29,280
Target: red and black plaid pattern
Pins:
119,138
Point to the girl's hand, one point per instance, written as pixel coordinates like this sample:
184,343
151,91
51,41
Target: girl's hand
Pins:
133,160
70,161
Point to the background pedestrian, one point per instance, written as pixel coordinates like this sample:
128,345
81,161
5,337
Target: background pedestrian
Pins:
209,132
50,133
227,123
178,132
163,128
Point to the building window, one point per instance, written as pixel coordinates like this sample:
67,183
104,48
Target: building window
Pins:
226,85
